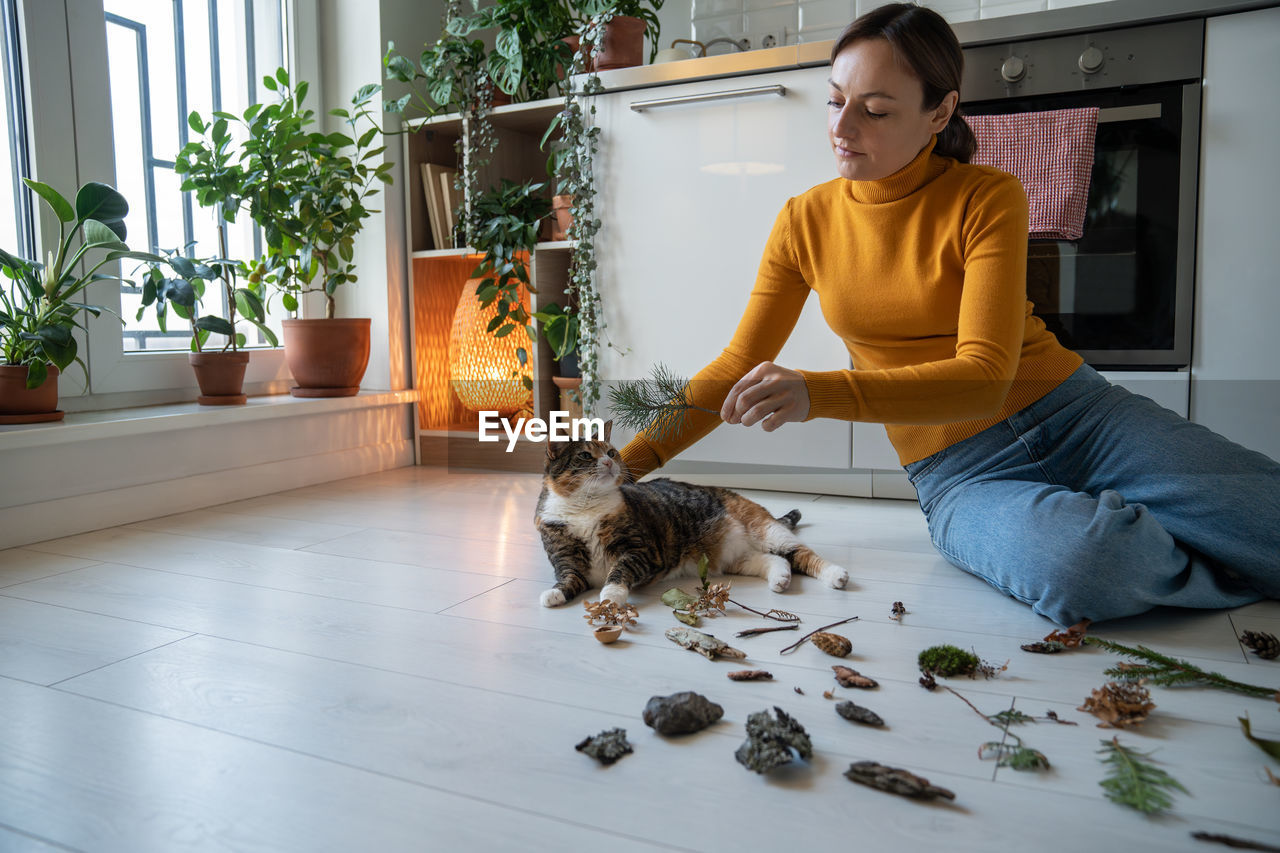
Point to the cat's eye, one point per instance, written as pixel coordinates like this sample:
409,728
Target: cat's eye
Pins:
613,454
584,454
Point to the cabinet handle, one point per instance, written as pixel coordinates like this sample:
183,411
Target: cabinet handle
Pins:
1133,113
641,106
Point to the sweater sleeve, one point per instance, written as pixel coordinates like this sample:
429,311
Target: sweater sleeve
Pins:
974,382
772,311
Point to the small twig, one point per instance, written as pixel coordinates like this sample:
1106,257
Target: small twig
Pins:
1238,843
775,614
798,642
751,632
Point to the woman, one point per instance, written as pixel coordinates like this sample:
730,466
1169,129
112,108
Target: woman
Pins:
1034,472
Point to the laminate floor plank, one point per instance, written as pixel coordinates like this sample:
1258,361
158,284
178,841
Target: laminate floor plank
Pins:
352,578
95,776
45,644
19,565
246,529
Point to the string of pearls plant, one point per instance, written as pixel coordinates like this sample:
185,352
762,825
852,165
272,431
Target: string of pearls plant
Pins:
573,164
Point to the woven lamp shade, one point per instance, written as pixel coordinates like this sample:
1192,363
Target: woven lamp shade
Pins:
484,371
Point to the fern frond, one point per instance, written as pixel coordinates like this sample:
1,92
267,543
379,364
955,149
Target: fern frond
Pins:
1134,781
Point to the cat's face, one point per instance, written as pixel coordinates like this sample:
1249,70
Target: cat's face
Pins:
574,465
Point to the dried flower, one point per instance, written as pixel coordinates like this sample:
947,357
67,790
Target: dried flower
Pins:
608,612
1119,704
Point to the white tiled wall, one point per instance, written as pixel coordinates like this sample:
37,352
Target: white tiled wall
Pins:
795,21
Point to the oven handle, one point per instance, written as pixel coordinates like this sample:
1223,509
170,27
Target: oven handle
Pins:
641,106
1133,113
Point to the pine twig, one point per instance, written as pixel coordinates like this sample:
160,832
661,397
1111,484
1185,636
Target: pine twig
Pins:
751,632
1134,781
774,614
656,406
1165,671
800,641
1237,843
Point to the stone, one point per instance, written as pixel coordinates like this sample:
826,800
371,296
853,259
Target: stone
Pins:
859,714
681,713
770,742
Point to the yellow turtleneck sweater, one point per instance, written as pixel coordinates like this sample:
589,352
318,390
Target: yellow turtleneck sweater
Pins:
923,276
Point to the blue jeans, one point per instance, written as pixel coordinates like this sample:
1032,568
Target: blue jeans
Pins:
1094,502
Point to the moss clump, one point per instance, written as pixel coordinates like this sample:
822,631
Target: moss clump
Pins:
948,661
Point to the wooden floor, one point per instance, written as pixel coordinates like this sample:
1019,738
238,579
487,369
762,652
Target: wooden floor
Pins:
364,666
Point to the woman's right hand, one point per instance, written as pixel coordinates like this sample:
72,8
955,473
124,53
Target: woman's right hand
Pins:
770,395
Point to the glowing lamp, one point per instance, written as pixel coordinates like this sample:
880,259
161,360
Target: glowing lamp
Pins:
485,371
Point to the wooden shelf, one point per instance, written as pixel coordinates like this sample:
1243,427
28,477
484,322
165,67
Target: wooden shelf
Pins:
529,117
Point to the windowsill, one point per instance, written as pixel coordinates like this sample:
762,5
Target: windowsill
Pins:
90,426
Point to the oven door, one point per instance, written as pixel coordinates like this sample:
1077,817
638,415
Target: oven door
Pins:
1121,295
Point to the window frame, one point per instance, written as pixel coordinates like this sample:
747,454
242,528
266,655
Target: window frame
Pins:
65,52
15,104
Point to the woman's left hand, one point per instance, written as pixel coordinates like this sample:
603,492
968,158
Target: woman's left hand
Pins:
770,395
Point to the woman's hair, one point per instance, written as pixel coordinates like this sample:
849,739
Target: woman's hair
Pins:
924,40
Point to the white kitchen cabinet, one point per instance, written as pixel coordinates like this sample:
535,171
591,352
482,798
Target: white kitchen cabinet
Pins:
1235,373
689,193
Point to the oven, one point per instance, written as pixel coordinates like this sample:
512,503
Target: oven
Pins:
1121,295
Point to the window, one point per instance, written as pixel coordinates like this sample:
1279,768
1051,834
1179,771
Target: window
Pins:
167,58
15,208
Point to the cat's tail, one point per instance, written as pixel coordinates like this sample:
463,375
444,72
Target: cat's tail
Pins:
791,519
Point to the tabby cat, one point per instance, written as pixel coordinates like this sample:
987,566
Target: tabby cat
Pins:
600,531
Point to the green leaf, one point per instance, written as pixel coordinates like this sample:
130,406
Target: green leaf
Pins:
283,76
195,122
504,331
218,325
367,137
99,235
703,562
37,373
266,333
58,344
99,201
678,599
61,207
685,617
270,83
300,94
1270,747
289,301
249,305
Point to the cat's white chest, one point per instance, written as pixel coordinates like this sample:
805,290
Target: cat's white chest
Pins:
582,515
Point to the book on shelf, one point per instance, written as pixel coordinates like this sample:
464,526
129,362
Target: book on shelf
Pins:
431,194
452,199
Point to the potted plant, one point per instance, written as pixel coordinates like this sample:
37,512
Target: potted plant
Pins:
219,371
40,304
626,23
308,192
511,214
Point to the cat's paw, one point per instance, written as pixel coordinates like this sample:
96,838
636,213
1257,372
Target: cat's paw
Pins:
615,592
780,581
835,577
552,598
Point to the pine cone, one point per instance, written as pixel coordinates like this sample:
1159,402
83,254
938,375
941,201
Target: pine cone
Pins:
832,644
1264,645
1119,704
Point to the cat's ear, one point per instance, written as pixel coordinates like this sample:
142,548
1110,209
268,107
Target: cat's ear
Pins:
554,448
608,428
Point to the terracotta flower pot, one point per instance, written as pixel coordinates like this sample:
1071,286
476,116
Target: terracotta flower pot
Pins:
20,405
327,357
562,207
622,45
221,377
575,44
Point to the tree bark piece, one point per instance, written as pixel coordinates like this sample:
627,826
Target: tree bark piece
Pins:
704,644
895,780
852,678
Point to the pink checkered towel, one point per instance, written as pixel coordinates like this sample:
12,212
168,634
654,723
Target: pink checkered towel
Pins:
1051,152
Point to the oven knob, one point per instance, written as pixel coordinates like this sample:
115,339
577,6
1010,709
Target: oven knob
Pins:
1091,60
1013,69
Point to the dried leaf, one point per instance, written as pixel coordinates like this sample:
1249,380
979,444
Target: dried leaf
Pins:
1270,747
1119,704
852,678
1071,637
608,612
686,618
828,694
678,599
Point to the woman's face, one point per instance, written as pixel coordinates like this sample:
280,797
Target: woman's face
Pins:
877,123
